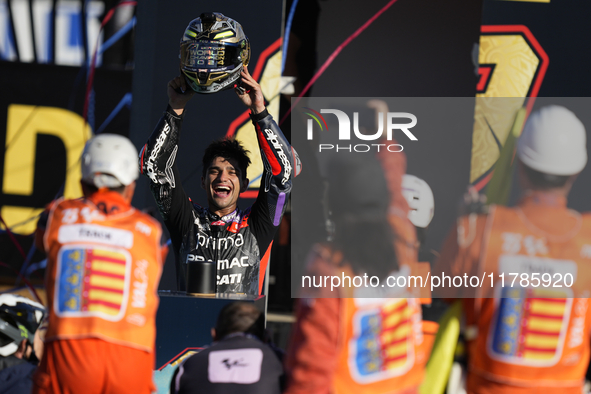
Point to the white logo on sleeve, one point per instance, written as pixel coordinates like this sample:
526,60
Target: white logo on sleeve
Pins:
242,366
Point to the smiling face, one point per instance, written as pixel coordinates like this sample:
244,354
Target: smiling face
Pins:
223,182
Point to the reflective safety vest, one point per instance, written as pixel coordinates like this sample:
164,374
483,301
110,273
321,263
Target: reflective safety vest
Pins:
381,349
536,332
380,352
102,274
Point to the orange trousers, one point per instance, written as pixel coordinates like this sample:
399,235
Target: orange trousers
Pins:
93,366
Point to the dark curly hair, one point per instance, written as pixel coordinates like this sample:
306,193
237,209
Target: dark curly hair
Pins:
227,148
240,317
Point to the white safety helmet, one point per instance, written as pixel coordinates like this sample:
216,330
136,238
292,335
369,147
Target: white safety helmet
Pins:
553,142
420,200
19,319
109,160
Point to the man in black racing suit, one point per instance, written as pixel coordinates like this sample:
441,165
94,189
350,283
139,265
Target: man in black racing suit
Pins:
234,239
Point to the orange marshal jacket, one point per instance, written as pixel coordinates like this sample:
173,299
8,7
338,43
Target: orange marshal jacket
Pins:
371,346
530,336
354,345
102,271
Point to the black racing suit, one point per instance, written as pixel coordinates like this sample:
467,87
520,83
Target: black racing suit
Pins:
235,242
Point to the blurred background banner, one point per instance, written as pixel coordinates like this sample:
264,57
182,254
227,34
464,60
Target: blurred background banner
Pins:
73,68
65,72
528,49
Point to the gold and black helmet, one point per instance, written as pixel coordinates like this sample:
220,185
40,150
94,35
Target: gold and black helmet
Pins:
213,50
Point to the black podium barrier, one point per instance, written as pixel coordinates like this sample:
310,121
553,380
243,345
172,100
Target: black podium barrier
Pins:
184,321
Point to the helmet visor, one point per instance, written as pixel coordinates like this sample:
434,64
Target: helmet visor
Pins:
210,55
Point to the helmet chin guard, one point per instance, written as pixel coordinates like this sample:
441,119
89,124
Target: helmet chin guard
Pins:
213,51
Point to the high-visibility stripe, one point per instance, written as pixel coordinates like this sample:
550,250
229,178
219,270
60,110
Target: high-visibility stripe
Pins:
109,289
103,303
106,282
394,327
100,295
108,268
107,274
